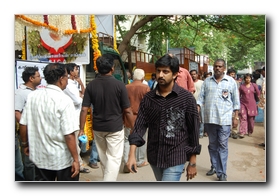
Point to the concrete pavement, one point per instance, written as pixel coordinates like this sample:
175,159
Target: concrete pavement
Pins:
246,163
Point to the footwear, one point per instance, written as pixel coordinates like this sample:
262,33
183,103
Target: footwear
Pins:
93,165
211,172
84,170
125,169
262,144
223,177
145,163
241,135
234,136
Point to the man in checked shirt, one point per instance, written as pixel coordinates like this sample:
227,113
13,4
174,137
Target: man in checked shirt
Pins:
170,114
219,96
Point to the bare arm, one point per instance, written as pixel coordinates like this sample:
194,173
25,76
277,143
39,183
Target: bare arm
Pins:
17,115
235,119
82,92
131,158
72,146
129,116
24,138
83,115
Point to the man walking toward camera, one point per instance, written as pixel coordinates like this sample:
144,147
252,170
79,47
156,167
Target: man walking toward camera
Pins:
170,114
219,96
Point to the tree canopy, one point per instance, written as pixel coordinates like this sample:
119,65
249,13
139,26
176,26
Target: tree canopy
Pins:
239,39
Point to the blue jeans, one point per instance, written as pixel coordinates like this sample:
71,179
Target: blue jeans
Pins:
93,158
168,174
218,146
18,159
201,129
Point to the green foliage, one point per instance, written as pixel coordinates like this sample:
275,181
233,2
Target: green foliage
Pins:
239,39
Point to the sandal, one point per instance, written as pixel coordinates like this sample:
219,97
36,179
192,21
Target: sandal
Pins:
145,163
84,170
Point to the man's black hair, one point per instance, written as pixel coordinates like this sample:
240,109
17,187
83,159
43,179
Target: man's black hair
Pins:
168,60
28,72
105,63
53,71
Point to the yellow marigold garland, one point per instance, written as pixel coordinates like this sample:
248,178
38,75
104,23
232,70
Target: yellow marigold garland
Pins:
115,36
23,50
51,27
94,40
88,127
37,23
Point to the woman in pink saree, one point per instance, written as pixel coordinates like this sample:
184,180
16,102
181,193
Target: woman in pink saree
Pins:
248,106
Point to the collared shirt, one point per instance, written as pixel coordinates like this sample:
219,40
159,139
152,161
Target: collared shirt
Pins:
173,127
136,91
21,96
219,100
184,80
48,115
151,82
197,85
73,92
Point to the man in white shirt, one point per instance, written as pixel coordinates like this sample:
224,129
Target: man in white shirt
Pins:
47,127
197,84
76,95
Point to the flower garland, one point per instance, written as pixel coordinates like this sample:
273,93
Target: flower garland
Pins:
23,50
115,36
94,40
37,23
51,27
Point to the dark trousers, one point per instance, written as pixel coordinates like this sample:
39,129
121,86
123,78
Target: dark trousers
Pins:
52,175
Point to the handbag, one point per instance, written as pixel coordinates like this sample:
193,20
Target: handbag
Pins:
255,94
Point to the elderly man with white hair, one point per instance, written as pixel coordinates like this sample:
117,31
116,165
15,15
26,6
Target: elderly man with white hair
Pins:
136,91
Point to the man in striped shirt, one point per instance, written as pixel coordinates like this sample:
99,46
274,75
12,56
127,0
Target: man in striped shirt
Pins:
47,127
219,97
170,114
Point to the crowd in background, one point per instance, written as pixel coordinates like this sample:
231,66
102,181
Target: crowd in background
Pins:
50,121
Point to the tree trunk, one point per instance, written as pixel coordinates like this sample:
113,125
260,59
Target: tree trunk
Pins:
132,31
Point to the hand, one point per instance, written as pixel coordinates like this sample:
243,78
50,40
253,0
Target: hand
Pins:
235,123
81,132
26,150
78,79
191,172
131,162
75,169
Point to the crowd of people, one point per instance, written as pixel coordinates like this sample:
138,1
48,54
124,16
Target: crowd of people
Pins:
156,123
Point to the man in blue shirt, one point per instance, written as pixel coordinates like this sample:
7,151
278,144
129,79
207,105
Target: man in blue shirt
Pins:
152,80
219,96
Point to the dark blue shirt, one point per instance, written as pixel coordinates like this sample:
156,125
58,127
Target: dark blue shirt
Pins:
173,127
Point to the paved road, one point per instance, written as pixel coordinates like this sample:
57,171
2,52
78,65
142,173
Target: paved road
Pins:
246,163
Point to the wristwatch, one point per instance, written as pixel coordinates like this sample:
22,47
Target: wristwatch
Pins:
192,164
